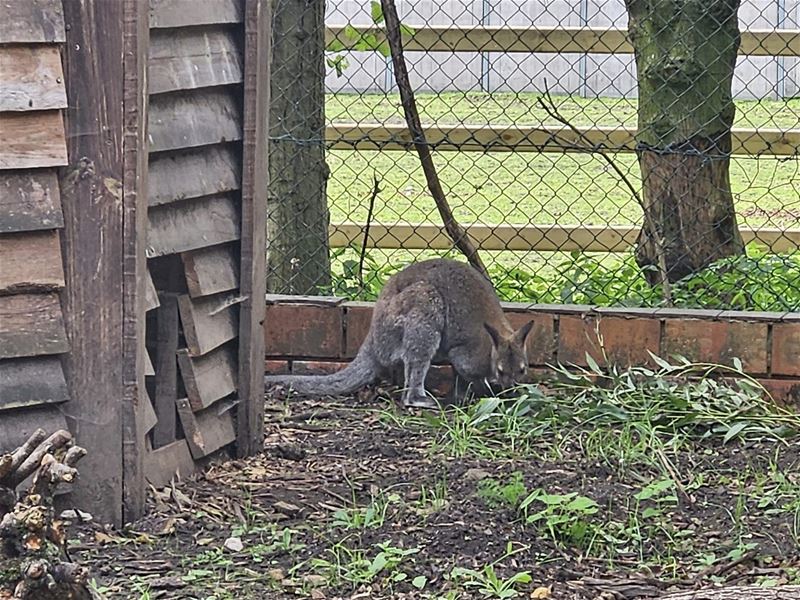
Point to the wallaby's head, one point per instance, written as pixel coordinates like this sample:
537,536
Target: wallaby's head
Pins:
509,359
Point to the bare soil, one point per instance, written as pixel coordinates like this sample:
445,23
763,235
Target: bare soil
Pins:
337,479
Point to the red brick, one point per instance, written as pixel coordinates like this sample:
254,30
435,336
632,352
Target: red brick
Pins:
786,349
625,341
357,318
541,344
303,330
786,392
717,342
276,367
316,367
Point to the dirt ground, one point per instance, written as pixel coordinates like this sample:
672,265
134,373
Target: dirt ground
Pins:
360,499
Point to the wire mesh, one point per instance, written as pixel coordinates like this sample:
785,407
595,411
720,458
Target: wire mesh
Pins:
551,193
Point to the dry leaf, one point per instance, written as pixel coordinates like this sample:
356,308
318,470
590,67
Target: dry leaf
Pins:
540,593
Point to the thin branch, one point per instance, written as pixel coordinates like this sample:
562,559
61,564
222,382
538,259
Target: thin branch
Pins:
454,230
370,211
649,223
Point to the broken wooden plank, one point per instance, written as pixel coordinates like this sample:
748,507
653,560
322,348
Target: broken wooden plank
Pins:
193,58
211,270
32,21
32,139
208,378
194,118
206,431
16,426
32,324
31,262
166,372
172,460
193,173
29,200
192,224
150,293
149,418
208,322
183,13
33,78
31,381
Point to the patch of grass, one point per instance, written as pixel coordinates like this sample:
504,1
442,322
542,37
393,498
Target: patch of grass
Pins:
498,493
568,518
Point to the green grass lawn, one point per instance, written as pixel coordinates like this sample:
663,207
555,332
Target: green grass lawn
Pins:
529,187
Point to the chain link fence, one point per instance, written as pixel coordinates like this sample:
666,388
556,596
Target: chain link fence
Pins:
578,182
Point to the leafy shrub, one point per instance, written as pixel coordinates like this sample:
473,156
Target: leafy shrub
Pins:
755,281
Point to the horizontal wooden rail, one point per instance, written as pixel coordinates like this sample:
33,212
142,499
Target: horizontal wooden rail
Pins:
546,138
482,38
543,238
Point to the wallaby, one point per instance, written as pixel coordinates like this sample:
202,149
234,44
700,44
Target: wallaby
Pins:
434,308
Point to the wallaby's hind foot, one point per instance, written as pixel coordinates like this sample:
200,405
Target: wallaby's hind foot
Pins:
412,400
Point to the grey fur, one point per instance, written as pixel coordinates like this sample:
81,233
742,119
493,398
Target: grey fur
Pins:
436,308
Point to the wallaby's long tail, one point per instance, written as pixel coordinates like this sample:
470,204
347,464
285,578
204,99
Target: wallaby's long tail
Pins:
360,372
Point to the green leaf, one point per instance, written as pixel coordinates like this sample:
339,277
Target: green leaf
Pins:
734,430
419,581
377,12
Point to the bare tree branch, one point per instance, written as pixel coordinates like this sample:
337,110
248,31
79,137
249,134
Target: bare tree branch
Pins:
454,230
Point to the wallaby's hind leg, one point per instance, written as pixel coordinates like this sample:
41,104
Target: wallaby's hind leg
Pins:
420,342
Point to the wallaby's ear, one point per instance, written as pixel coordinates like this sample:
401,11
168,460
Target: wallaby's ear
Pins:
493,333
521,334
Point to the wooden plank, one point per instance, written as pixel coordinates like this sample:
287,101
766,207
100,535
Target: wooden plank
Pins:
32,139
31,262
543,138
208,322
31,381
99,193
16,426
192,119
32,78
136,34
149,418
29,200
191,174
211,270
193,224
183,13
32,324
206,431
150,293
32,21
193,58
149,369
255,181
542,238
208,378
172,460
166,383
501,38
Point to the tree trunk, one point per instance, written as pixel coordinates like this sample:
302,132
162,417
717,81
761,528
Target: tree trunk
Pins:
685,57
788,592
298,261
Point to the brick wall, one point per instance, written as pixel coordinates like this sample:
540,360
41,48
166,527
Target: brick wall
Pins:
320,334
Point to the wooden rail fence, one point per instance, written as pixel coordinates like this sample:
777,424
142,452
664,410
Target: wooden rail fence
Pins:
542,238
483,38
